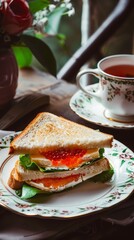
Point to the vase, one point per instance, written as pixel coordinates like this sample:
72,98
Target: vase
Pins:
8,77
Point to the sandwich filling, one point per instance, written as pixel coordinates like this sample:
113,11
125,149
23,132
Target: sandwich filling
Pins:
65,158
67,169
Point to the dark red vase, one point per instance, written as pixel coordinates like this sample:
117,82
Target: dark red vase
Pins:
8,76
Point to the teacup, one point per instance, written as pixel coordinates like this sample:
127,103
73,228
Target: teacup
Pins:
115,88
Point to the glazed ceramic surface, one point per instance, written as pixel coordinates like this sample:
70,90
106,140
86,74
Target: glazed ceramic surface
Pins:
86,198
93,111
115,92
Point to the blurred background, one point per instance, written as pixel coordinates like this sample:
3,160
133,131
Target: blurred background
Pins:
77,29
122,41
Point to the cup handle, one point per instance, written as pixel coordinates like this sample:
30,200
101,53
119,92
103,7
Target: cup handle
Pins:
90,93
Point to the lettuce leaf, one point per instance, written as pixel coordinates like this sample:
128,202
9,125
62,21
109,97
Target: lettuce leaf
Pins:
103,177
101,152
28,191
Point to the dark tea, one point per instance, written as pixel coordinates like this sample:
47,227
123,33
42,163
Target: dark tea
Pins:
121,70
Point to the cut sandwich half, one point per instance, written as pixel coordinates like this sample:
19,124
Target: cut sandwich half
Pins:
56,154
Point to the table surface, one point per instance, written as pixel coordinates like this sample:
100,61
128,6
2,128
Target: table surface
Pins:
61,107
59,103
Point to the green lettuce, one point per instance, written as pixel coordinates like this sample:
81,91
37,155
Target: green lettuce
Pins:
28,191
104,176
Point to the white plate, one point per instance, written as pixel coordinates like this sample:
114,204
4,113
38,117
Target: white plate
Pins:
92,111
83,199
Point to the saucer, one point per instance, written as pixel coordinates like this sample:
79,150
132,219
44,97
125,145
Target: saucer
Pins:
91,110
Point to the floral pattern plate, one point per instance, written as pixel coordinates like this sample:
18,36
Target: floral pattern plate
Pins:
83,199
91,110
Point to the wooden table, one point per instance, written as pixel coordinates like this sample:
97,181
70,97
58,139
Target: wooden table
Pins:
60,93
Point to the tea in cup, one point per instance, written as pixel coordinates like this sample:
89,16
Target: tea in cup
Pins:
115,88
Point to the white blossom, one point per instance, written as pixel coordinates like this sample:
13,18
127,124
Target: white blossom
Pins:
39,26
51,7
69,6
66,1
71,12
41,17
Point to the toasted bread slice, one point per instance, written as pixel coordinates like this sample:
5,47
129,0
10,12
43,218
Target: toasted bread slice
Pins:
56,181
48,132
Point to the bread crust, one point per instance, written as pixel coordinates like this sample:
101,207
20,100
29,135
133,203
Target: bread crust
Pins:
12,182
48,132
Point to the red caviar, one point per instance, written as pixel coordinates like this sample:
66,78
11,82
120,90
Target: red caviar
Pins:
69,157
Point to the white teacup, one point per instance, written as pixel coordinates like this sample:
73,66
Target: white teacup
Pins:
116,86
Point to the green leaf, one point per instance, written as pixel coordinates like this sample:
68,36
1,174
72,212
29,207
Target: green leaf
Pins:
122,162
101,152
23,56
41,52
25,161
54,19
103,177
61,38
28,191
115,154
37,5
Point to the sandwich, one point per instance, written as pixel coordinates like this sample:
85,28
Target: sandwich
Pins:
55,154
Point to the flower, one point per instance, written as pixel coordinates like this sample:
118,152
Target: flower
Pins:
25,23
16,16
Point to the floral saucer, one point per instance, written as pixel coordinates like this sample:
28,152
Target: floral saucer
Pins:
91,110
